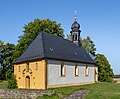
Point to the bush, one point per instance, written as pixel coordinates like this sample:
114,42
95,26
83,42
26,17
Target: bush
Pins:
12,83
8,74
109,79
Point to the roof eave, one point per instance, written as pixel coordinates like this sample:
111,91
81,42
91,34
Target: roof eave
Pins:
71,61
38,59
29,60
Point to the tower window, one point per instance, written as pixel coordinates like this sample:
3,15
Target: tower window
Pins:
36,66
62,69
86,71
76,70
19,68
27,67
75,36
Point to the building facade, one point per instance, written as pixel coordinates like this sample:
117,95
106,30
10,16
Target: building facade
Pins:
71,74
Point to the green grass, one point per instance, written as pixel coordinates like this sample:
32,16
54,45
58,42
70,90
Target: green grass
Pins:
3,84
97,91
100,90
103,91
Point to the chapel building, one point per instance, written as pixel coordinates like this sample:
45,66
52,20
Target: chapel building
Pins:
52,61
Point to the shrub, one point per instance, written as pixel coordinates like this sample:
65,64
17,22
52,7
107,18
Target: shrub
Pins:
12,83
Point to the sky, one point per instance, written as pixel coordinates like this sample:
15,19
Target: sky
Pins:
99,19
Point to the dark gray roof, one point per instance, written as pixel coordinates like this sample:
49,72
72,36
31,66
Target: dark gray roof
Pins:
116,76
53,47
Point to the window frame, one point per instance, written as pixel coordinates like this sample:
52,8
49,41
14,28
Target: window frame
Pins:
62,70
19,68
76,70
86,71
27,67
36,66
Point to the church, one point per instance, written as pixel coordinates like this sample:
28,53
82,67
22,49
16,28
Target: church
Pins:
52,61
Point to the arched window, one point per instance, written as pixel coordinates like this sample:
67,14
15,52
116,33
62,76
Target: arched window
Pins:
62,69
96,74
86,71
76,70
36,66
19,69
27,67
75,36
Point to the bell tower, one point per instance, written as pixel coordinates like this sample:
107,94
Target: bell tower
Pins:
75,31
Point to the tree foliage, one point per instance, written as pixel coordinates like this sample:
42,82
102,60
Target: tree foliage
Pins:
105,73
1,45
32,30
69,37
89,46
6,53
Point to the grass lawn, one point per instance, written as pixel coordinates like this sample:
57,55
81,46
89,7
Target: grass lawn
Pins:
3,84
97,91
100,90
103,91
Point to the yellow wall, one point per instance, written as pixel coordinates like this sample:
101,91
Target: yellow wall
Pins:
37,77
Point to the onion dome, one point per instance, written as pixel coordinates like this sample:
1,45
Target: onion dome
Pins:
75,25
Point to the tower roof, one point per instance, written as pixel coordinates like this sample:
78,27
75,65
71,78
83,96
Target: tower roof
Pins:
75,25
49,46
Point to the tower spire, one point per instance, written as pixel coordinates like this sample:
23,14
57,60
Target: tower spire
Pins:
75,16
75,31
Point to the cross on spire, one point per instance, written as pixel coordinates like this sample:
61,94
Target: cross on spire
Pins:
75,16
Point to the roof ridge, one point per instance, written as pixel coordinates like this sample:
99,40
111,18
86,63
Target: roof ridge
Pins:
43,46
57,36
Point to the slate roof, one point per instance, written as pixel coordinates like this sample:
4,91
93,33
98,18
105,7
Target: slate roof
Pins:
116,76
49,46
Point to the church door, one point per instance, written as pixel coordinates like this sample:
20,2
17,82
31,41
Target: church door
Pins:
27,82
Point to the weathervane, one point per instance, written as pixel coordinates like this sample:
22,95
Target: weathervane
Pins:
75,16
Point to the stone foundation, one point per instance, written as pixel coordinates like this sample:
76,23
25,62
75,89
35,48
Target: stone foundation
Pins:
23,94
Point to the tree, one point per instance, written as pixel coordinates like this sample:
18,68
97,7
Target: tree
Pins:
7,57
105,73
89,46
69,37
2,70
1,45
32,30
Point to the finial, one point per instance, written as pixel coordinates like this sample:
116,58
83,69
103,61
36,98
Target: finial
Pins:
75,16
